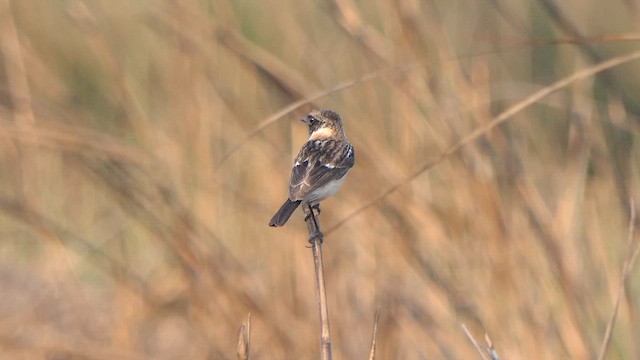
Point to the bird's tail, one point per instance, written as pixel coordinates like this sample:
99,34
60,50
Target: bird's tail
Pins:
281,217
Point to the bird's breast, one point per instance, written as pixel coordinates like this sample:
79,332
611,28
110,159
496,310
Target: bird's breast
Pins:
324,191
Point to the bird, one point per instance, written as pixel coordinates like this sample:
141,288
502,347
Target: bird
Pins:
321,165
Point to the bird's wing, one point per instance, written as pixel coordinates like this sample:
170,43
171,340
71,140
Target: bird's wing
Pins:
318,163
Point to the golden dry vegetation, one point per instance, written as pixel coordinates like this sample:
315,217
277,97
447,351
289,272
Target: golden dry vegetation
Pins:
145,144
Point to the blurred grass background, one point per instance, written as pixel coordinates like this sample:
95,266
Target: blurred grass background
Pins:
134,203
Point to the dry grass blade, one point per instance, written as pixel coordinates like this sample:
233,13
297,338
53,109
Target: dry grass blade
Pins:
482,349
502,117
490,349
473,341
244,340
372,352
629,260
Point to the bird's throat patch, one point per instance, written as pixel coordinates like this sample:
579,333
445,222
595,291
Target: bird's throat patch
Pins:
322,133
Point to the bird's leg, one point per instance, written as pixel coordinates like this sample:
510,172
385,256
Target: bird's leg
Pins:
311,213
316,228
316,234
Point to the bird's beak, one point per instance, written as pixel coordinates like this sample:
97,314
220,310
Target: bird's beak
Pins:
304,120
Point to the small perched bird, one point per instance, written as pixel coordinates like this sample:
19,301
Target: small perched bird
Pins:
321,165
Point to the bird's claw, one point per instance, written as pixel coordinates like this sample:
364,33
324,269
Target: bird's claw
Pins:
314,235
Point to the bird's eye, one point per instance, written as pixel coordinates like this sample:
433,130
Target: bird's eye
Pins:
312,120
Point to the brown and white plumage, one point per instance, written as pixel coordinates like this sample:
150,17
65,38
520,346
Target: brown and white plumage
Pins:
321,165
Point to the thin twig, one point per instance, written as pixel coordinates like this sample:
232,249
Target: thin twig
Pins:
315,238
372,353
629,260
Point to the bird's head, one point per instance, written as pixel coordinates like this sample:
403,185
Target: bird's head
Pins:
323,124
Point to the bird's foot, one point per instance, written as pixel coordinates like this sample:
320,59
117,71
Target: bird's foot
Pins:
316,235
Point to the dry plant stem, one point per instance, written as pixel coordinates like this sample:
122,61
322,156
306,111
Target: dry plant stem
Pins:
372,352
491,351
315,238
244,340
629,260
